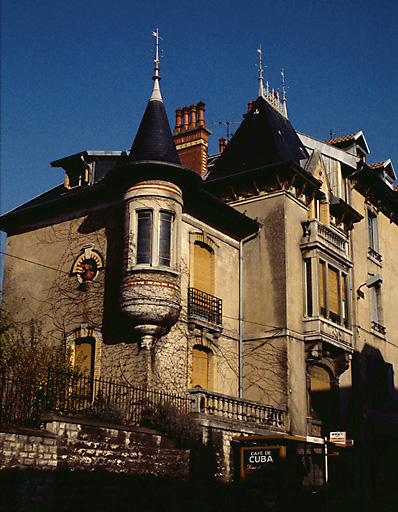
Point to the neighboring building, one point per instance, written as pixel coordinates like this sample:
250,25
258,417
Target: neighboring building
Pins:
263,281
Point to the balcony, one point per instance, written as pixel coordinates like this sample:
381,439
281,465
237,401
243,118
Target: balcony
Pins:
331,240
204,306
225,407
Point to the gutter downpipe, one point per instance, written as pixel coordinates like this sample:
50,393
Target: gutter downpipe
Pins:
244,240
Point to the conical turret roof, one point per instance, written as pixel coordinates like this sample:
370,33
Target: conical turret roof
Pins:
154,141
265,137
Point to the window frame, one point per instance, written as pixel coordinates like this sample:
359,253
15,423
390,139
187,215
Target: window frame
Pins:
155,258
342,317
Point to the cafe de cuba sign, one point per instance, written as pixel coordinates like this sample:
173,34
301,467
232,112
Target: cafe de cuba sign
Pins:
258,458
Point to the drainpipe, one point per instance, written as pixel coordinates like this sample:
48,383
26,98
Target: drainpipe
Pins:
244,240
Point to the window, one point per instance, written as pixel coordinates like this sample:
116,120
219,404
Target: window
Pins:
84,355
333,294
202,367
144,237
165,225
376,309
154,238
373,237
203,268
308,287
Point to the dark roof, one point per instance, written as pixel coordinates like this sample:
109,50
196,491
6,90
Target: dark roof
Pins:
154,141
265,137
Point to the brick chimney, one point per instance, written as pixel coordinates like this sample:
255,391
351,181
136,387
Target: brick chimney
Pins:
222,143
191,137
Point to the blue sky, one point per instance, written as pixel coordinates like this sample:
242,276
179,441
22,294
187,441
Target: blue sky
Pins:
76,75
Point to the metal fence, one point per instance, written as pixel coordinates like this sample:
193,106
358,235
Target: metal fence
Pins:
22,403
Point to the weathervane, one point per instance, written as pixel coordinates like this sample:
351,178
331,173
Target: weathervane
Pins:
156,77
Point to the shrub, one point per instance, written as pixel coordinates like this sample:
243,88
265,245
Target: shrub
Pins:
178,426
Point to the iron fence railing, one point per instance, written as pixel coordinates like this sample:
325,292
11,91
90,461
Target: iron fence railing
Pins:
23,403
204,306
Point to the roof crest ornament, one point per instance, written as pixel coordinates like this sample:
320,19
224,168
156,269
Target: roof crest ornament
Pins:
284,103
271,96
156,77
260,78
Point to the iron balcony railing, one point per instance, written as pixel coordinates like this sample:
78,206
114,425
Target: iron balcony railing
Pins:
204,306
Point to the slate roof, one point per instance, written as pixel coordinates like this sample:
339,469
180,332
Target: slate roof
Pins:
265,137
154,140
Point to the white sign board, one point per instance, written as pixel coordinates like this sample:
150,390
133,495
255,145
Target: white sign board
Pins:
338,437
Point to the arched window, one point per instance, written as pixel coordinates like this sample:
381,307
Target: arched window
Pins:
203,268
202,367
324,405
86,347
84,355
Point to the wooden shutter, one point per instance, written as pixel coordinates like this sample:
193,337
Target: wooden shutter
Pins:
322,288
203,271
84,355
333,288
200,367
320,379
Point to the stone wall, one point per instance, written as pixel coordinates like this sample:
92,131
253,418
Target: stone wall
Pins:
27,449
80,461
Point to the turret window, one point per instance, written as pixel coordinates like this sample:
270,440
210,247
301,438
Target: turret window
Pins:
154,238
165,228
144,237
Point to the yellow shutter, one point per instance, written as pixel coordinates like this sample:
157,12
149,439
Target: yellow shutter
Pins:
320,380
200,367
333,287
84,356
203,269
322,287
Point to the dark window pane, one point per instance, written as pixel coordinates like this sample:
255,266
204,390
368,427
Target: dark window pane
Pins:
166,219
144,237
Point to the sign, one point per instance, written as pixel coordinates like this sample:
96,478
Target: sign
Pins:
315,440
338,437
261,473
259,458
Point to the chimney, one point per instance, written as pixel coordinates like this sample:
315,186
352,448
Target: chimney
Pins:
191,137
178,120
192,124
185,119
222,143
249,107
201,114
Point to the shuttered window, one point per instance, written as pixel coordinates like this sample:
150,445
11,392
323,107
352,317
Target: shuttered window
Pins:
203,268
200,367
322,288
84,355
333,294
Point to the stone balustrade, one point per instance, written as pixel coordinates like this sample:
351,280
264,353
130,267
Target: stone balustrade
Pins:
232,408
316,232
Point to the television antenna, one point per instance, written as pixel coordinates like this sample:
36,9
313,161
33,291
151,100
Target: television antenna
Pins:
227,123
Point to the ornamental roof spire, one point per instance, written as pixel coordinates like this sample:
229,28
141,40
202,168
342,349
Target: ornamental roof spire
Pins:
156,77
260,78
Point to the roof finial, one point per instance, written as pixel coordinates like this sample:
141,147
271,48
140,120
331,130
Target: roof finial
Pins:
156,77
284,105
260,78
